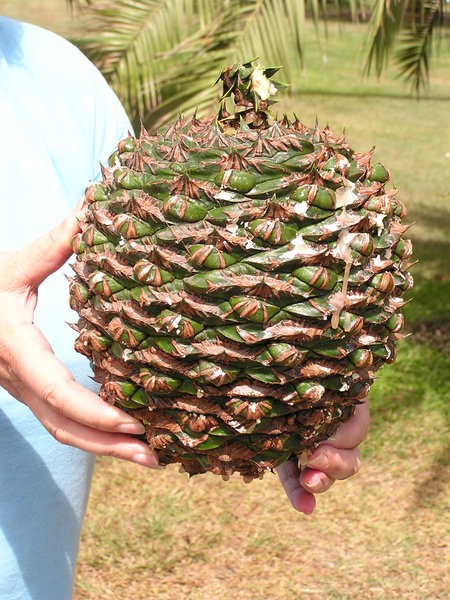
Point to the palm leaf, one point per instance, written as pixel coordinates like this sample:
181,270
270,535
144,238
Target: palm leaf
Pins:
133,41
385,24
415,46
161,56
405,28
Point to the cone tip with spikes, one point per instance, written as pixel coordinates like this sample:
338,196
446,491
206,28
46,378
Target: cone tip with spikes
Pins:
253,92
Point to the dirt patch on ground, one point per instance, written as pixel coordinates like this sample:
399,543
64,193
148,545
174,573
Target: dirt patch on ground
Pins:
433,333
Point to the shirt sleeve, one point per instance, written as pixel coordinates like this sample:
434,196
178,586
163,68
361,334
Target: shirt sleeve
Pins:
60,121
111,124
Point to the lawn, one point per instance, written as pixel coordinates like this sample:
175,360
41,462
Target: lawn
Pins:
379,535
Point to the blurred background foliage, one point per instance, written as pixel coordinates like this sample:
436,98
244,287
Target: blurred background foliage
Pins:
161,56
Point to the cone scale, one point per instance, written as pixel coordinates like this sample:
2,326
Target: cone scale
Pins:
238,282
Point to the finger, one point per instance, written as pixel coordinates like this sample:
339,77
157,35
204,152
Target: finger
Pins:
334,462
47,254
315,482
300,499
353,432
103,443
43,376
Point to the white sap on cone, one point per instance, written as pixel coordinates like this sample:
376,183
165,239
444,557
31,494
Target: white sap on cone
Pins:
300,248
338,300
345,196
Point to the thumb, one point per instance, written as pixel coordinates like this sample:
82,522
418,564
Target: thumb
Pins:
47,254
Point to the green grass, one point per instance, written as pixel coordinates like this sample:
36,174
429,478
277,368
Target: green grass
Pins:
378,535
337,70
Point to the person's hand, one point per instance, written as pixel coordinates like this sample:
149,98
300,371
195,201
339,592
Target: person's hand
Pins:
30,371
337,458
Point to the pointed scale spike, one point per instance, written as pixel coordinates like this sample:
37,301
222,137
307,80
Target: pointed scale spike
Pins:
399,228
143,133
411,264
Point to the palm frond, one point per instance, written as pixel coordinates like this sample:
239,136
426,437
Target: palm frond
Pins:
405,29
161,56
385,24
274,33
131,41
415,47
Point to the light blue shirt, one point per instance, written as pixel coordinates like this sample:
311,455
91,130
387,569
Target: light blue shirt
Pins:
58,121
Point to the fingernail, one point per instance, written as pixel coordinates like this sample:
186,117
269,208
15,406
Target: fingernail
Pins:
314,482
318,462
131,428
146,460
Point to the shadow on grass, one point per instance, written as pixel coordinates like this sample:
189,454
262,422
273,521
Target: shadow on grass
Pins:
418,381
430,490
429,300
430,296
430,216
412,394
434,333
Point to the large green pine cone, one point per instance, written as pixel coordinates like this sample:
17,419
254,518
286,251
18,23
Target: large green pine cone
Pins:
209,280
